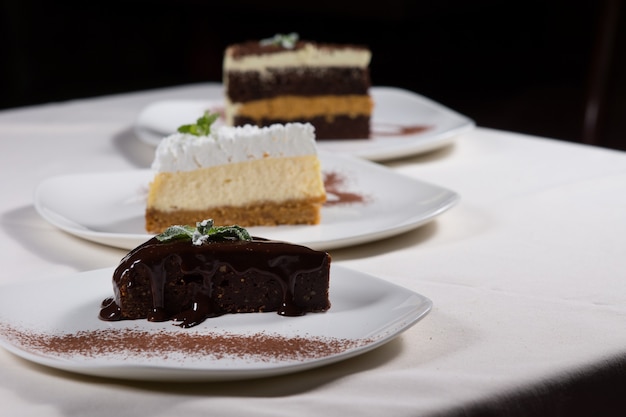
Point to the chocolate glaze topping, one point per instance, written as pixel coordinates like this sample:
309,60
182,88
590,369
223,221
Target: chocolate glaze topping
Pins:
202,264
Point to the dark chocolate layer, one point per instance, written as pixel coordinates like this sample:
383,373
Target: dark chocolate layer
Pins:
340,127
187,283
249,85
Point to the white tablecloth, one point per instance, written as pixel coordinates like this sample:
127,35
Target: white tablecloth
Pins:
527,274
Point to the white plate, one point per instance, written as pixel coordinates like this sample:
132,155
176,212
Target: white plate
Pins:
109,207
366,312
395,110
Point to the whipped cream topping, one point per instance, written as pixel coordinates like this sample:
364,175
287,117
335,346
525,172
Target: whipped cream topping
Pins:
185,152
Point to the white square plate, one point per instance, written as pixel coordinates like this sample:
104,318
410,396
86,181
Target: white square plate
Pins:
403,123
365,313
109,207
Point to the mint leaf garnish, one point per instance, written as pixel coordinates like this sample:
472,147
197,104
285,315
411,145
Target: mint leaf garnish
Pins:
176,232
286,41
202,127
229,232
204,232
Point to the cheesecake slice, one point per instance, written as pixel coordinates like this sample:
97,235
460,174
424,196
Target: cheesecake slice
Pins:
245,175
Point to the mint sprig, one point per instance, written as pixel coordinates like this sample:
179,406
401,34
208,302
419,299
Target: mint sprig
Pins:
176,232
286,41
202,127
204,232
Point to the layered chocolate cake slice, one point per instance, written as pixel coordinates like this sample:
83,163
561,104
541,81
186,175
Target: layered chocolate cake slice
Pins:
189,274
284,79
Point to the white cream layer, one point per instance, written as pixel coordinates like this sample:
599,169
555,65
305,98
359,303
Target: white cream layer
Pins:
309,56
185,152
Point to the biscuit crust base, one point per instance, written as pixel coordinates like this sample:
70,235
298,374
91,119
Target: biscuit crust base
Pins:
266,214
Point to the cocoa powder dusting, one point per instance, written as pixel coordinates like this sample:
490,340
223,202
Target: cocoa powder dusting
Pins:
129,343
334,184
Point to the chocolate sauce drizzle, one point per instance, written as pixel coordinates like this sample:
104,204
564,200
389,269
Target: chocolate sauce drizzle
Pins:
334,184
393,129
204,264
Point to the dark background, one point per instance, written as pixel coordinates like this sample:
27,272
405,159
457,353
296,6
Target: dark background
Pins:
549,68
